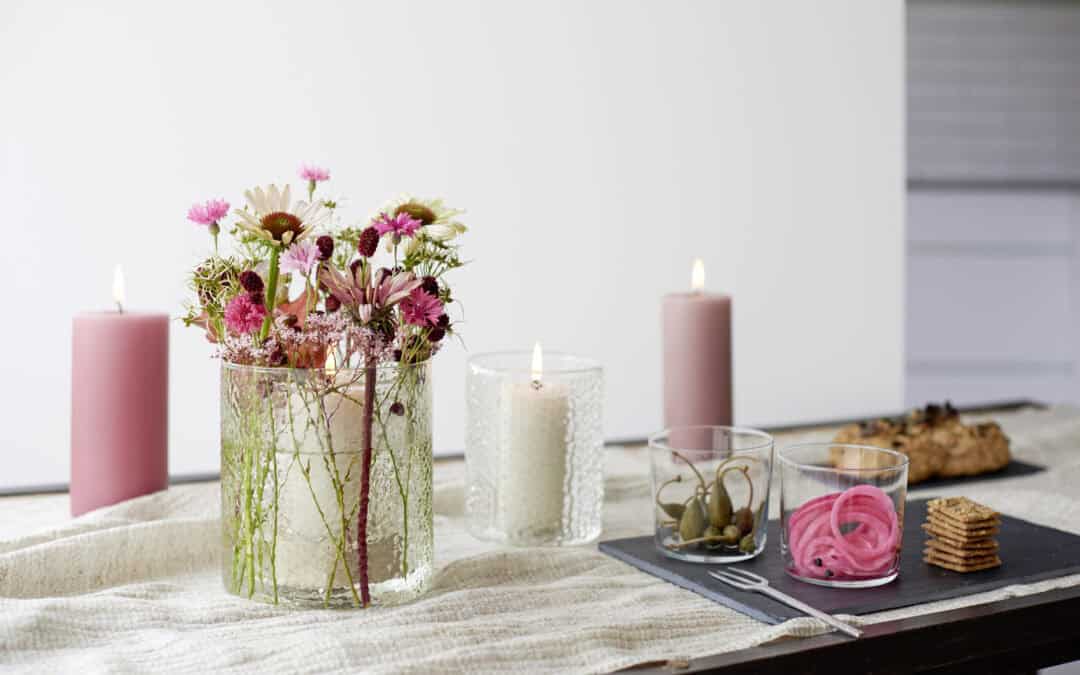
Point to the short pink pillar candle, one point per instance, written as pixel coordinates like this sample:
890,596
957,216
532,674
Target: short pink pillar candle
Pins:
697,356
119,407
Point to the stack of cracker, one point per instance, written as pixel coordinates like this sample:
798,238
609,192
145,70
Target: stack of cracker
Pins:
961,535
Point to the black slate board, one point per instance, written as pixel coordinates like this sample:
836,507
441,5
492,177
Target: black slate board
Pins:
1013,469
1029,553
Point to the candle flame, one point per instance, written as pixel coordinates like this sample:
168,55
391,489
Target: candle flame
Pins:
697,276
537,363
118,287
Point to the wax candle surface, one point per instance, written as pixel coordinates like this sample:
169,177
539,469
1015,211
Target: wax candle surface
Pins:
119,407
697,359
532,469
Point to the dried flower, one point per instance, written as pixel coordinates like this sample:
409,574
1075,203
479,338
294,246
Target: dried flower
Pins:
368,243
421,308
301,257
208,213
310,172
326,246
251,281
400,225
244,316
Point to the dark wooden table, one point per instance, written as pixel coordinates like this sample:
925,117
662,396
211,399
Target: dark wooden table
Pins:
1017,635
1009,636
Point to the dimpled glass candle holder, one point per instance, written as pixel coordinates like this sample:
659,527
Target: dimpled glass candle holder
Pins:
534,448
842,513
711,492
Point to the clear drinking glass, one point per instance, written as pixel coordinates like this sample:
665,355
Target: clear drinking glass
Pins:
534,449
711,492
292,449
842,513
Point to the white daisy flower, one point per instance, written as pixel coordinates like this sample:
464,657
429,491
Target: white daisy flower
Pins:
272,215
439,220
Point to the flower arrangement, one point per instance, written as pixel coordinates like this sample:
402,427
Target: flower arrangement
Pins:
305,318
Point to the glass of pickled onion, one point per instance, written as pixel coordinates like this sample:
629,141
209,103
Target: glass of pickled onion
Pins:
842,513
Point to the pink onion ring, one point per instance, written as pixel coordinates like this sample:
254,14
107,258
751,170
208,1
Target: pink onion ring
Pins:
820,547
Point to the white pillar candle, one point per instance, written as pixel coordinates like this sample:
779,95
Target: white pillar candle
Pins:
306,552
532,466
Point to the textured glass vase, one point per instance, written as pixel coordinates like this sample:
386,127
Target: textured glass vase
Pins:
534,449
292,484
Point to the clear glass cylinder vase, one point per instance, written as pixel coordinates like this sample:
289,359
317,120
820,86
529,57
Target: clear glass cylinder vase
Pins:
302,522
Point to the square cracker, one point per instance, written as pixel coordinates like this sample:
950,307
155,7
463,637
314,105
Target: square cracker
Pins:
961,568
959,560
961,509
936,517
965,553
986,544
939,527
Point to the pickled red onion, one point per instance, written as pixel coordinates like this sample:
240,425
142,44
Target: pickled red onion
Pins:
854,534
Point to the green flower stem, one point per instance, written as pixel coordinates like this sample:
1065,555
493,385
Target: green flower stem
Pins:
271,293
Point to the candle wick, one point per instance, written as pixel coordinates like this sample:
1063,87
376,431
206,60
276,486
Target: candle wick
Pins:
537,385
119,308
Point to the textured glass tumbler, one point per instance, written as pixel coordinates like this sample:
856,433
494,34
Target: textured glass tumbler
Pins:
842,513
711,492
534,449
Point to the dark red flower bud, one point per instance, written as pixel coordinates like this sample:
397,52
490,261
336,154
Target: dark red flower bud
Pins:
332,304
436,334
325,244
257,298
251,282
397,355
397,408
443,321
369,242
430,286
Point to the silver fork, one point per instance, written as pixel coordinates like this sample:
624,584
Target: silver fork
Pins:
748,581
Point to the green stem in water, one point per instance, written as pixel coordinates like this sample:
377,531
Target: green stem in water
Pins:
271,294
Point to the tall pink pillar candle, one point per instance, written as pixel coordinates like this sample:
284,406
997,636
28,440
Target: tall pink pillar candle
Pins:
119,407
697,356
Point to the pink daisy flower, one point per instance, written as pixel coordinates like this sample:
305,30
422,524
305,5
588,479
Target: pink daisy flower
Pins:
402,225
244,316
314,174
421,308
301,257
208,213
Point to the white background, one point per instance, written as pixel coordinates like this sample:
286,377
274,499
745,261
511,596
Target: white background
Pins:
598,146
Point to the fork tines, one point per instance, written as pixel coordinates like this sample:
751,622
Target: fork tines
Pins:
739,578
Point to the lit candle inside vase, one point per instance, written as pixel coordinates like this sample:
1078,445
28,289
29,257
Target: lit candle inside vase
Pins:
119,404
532,469
697,355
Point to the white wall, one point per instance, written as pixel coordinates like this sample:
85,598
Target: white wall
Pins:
599,147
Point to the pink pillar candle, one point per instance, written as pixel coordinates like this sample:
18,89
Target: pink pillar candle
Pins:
119,407
697,358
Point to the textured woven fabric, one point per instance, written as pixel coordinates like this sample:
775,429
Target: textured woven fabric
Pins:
136,587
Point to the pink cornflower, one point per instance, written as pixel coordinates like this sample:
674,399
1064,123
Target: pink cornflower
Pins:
244,316
301,257
314,174
208,213
401,225
421,308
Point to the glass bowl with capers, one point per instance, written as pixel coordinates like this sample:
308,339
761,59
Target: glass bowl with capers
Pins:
711,492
